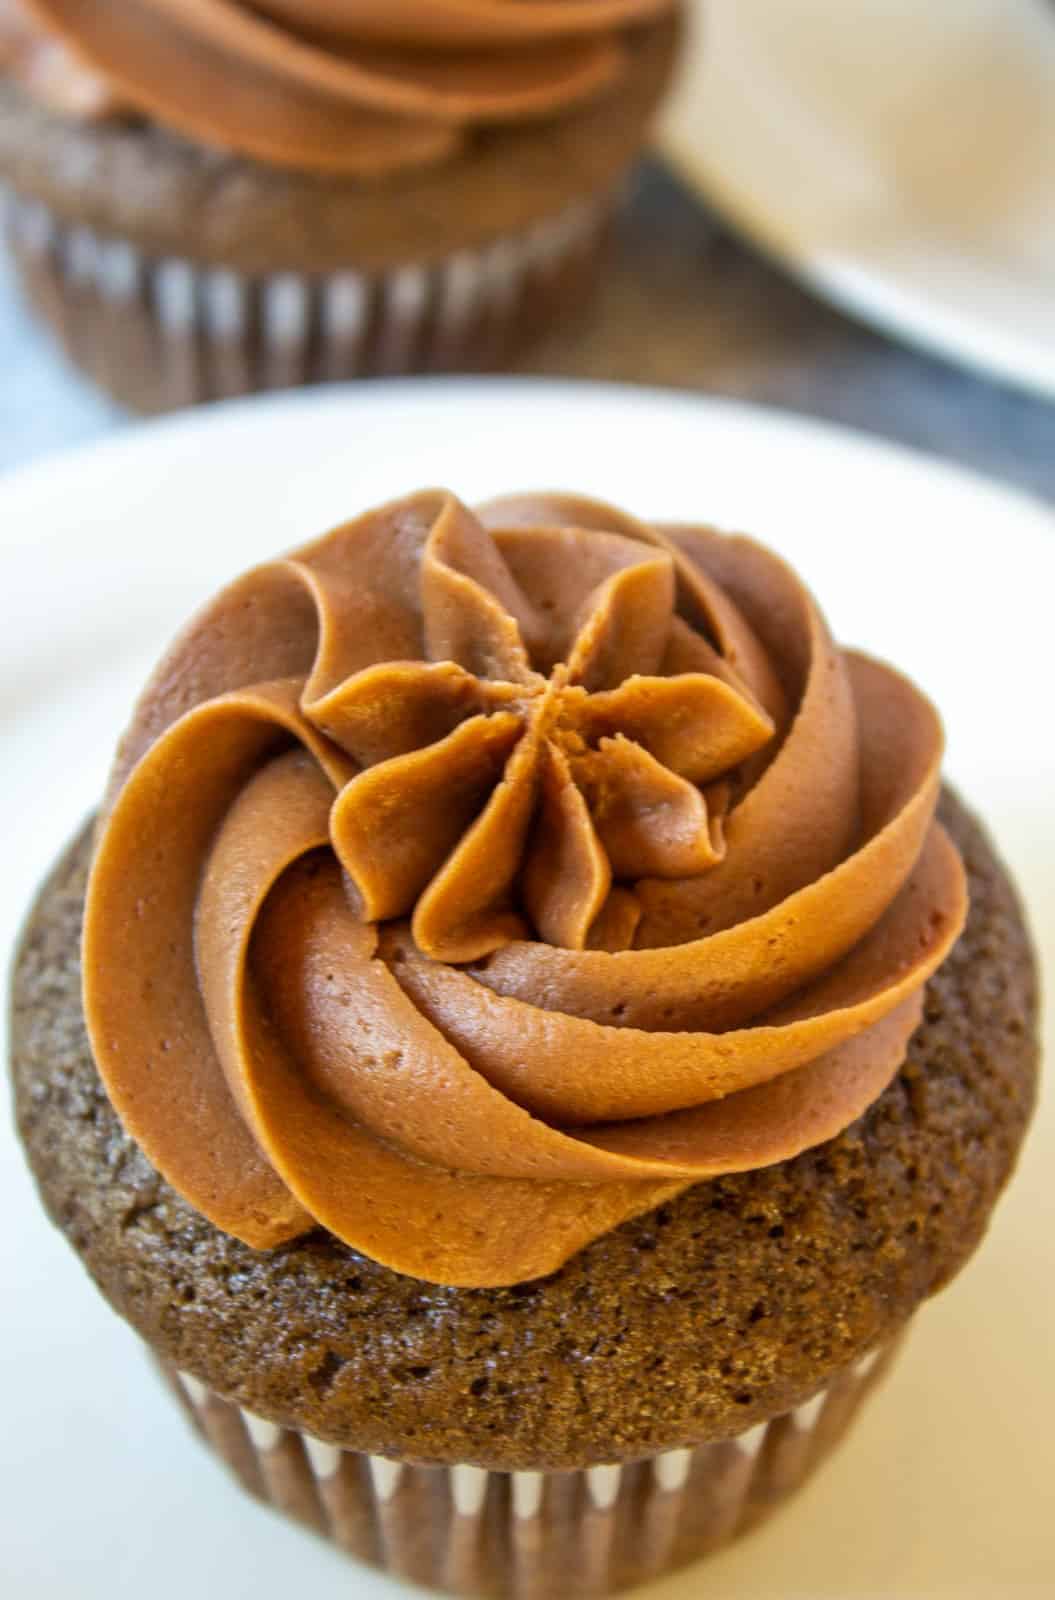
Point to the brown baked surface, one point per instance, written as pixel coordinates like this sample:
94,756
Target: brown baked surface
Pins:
175,198
723,1308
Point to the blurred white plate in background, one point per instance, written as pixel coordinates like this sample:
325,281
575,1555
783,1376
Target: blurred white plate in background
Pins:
897,155
944,1490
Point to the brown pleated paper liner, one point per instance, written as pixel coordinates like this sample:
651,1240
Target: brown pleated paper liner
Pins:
531,1535
158,334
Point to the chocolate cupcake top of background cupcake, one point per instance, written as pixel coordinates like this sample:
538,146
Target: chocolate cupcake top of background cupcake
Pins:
472,881
362,87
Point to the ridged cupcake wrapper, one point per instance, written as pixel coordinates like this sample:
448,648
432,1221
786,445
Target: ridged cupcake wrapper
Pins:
531,1535
164,333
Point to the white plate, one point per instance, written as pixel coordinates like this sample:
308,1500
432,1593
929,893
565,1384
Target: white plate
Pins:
898,155
945,1488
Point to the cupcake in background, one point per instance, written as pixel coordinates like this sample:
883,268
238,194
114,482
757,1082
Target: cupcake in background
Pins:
207,200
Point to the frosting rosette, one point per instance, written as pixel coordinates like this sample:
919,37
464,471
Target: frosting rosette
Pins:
361,87
471,881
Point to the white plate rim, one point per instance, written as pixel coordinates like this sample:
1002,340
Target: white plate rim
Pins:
873,299
135,437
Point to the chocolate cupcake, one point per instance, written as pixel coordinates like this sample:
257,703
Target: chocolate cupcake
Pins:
543,1036
213,199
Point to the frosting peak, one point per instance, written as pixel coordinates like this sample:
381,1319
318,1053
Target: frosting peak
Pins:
549,744
361,87
472,881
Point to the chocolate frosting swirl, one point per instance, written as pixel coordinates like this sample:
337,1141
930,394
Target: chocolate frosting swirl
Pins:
360,87
470,882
